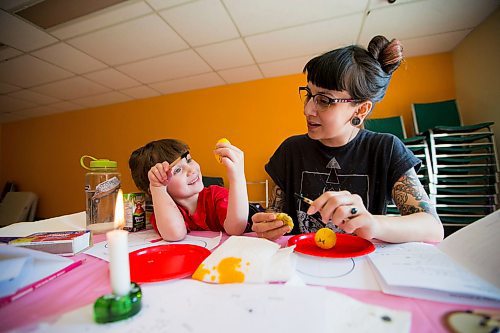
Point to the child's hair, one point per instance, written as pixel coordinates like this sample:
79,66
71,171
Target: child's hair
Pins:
363,73
143,159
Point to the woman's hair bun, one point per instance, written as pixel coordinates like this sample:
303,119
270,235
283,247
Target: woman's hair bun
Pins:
388,54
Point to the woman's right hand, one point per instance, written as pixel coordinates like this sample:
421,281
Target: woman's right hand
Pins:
266,226
159,174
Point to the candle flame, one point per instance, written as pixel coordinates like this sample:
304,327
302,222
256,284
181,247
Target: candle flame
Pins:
119,211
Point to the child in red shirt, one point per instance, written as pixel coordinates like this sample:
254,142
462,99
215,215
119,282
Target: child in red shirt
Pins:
181,202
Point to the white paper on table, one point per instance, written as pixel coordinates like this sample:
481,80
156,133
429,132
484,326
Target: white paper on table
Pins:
423,271
70,222
355,273
355,316
30,265
247,259
475,247
191,306
143,239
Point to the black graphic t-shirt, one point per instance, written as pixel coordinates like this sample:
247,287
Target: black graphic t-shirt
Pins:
369,165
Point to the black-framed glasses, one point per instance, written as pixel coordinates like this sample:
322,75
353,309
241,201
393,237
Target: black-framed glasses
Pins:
322,101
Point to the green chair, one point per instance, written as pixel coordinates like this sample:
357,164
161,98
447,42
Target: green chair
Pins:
464,162
393,125
441,117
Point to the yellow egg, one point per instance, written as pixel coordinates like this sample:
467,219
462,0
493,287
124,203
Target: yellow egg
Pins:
287,220
218,157
325,238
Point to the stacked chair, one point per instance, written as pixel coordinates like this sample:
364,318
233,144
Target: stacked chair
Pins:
464,163
417,144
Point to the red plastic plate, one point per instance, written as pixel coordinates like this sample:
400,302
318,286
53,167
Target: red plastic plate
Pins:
347,246
165,262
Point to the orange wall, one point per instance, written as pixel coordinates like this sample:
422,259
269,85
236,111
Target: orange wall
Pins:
42,154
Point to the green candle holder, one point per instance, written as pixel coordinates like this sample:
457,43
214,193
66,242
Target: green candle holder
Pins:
110,308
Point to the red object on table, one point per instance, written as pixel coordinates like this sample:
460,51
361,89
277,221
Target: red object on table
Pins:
165,262
347,246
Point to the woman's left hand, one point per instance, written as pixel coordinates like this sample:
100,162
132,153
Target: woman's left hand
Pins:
347,212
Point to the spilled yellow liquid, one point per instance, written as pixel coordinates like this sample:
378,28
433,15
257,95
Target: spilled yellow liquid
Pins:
228,269
200,273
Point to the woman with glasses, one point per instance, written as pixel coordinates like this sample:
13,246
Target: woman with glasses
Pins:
349,173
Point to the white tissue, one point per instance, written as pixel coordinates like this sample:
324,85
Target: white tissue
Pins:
243,259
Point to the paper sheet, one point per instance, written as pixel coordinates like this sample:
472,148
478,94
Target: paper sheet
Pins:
242,259
70,222
423,271
355,273
148,238
190,306
30,266
475,247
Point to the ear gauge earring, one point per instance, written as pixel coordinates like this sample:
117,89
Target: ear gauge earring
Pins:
355,121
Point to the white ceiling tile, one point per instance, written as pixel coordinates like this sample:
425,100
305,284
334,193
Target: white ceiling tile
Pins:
201,22
6,88
69,58
104,18
27,71
162,4
33,97
103,99
190,83
72,88
258,16
65,106
21,35
242,74
8,52
304,40
284,67
140,92
433,44
422,18
170,66
112,78
9,104
224,55
140,38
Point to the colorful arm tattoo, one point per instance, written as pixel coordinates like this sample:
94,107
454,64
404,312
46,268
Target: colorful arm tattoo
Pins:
410,197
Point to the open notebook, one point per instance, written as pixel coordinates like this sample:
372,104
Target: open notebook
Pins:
464,268
23,270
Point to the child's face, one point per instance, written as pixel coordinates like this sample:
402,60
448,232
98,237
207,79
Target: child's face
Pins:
186,179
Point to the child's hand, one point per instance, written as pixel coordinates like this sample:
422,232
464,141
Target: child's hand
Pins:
159,174
233,159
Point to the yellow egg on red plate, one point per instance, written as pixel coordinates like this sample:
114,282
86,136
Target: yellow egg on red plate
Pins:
218,157
325,238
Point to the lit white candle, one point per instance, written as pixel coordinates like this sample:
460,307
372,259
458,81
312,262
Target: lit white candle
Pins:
119,267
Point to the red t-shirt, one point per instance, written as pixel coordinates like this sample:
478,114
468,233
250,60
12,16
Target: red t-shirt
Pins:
210,213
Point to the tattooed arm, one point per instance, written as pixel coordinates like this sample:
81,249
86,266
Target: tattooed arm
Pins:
410,197
419,220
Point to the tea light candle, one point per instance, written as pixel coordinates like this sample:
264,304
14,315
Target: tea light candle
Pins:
119,267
